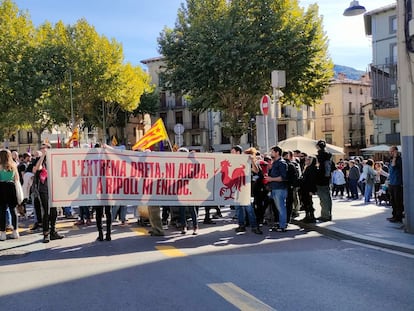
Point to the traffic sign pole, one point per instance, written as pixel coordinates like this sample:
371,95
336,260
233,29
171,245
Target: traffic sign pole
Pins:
264,108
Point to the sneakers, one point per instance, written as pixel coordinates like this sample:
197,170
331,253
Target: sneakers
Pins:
15,234
257,231
55,236
35,226
3,236
88,222
324,219
46,238
208,222
392,219
79,222
240,229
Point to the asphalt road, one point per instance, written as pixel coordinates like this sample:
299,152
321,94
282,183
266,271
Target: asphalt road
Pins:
215,270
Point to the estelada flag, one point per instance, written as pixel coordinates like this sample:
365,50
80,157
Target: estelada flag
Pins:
154,135
74,138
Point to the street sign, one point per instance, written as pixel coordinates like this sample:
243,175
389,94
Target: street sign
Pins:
178,129
264,104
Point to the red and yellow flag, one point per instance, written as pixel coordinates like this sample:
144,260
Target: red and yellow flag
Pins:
74,138
114,141
154,135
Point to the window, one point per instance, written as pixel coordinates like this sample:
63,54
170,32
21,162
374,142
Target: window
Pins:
361,92
179,117
196,140
393,24
350,90
163,100
350,110
224,139
29,137
328,138
350,124
328,124
163,117
327,108
178,100
393,53
195,120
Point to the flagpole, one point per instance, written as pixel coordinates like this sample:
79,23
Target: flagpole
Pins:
169,142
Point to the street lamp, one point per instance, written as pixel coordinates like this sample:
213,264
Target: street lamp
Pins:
354,9
72,115
251,125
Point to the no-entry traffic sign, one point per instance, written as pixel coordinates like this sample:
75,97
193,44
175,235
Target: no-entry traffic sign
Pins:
264,104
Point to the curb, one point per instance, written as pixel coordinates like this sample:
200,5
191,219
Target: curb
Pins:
338,233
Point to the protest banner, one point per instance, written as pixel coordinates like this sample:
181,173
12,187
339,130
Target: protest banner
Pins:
101,176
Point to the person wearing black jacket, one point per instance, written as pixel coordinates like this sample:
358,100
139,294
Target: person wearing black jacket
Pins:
308,188
49,214
323,181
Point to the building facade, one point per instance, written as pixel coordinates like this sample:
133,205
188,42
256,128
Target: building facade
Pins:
345,117
381,25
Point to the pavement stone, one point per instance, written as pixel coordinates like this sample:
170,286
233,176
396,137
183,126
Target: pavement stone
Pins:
365,223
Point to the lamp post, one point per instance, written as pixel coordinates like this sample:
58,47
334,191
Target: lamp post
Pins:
72,114
251,125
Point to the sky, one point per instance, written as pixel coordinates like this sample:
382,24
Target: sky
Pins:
136,24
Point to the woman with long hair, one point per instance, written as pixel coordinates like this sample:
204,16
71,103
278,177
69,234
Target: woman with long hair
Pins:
9,175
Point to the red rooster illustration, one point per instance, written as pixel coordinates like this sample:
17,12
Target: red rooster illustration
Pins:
231,183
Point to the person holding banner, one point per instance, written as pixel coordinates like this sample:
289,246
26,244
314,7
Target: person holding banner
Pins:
183,210
99,214
247,209
42,192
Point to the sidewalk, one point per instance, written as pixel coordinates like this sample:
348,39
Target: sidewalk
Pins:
353,220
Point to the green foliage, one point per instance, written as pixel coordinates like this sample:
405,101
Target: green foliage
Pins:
221,53
44,72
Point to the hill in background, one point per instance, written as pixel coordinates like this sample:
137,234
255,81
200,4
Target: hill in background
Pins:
350,73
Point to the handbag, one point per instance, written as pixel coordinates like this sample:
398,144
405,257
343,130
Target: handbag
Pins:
19,192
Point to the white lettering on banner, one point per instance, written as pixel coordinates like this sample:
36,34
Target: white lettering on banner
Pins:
121,177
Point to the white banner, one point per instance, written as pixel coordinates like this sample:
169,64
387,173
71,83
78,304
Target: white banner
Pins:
93,177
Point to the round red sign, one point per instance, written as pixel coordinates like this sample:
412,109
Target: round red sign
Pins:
264,104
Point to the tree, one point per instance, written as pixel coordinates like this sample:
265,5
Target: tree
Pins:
16,36
221,53
45,72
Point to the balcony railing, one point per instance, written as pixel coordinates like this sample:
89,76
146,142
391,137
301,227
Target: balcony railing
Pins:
384,86
393,139
328,128
196,125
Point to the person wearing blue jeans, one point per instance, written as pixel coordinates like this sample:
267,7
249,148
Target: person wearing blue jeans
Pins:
277,180
183,218
122,209
369,180
240,212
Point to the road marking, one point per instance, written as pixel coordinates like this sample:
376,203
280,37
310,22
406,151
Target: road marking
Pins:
170,251
140,231
239,298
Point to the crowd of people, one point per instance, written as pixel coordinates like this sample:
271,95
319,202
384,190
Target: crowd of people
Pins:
283,183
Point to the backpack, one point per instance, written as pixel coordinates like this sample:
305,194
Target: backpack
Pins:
330,167
292,175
